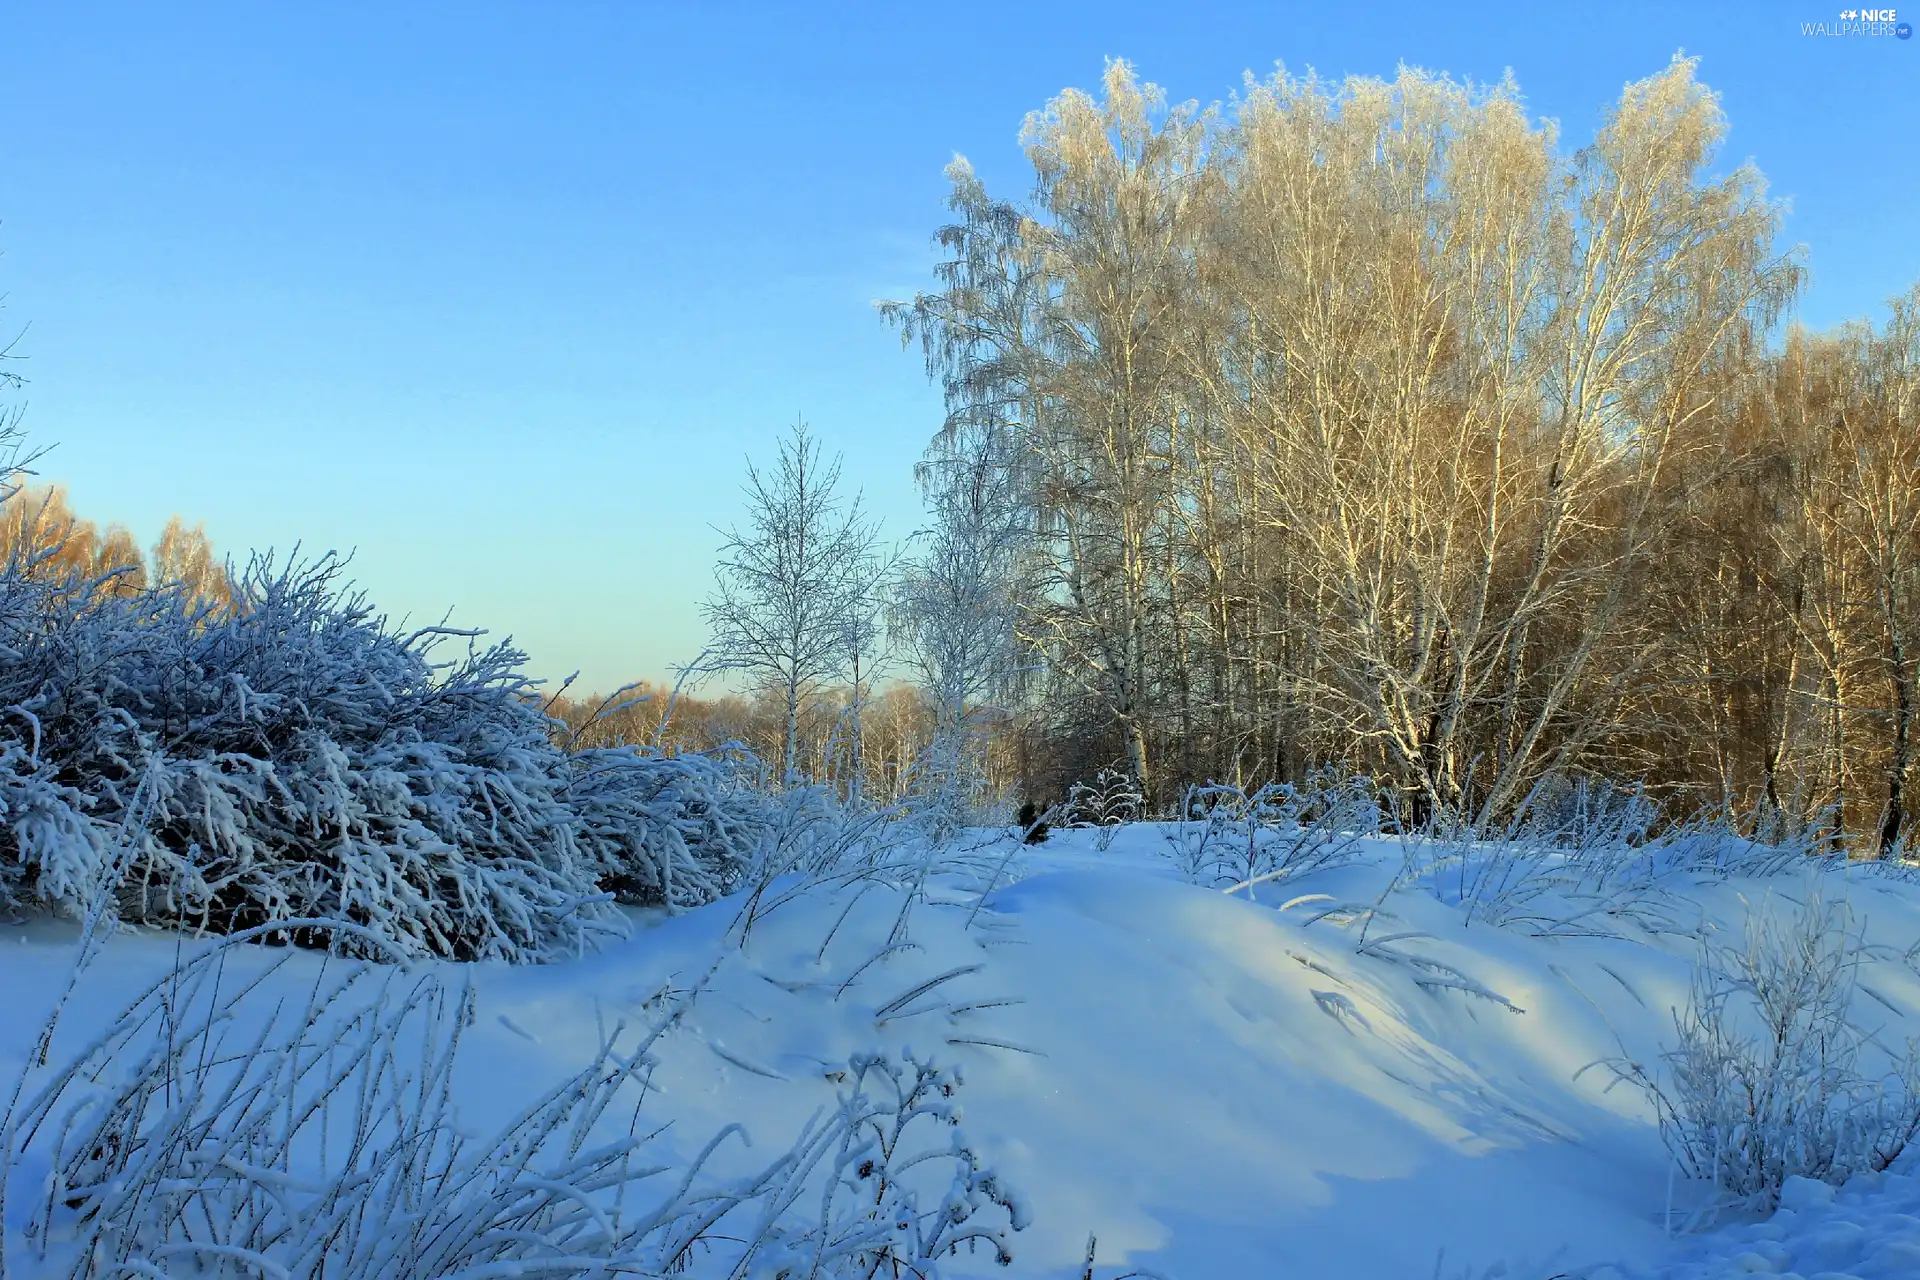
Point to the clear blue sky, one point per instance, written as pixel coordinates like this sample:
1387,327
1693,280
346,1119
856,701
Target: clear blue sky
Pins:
501,295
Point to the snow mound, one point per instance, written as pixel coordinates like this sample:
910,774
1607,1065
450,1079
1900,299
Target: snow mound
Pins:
1359,1072
1867,1229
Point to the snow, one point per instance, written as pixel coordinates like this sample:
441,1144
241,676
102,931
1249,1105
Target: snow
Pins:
1360,1071
1867,1229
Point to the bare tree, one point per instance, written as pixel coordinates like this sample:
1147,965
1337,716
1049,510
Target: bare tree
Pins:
1055,333
1884,442
865,654
1846,407
790,588
956,602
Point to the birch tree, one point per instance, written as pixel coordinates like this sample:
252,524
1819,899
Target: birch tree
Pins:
793,589
1881,433
1848,408
956,602
1058,329
1481,365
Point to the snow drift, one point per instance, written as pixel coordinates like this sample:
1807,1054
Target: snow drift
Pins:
1394,1063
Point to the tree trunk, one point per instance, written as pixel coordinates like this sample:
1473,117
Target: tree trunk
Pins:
1893,818
789,770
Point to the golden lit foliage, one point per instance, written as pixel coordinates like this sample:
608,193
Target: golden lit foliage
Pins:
1362,424
40,530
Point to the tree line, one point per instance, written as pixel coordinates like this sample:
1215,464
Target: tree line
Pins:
896,727
40,531
1360,425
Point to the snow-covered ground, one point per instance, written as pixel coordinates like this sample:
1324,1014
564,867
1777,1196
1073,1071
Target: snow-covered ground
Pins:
1333,1075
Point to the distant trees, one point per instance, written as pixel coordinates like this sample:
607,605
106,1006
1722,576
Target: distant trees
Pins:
1808,573
898,730
185,556
796,594
39,526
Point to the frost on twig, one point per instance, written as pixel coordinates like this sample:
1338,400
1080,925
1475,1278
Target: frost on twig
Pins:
219,1122
1771,1076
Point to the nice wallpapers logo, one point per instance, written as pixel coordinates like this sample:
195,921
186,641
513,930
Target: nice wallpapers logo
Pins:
1862,22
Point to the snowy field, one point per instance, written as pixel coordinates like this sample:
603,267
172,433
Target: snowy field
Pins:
1377,1069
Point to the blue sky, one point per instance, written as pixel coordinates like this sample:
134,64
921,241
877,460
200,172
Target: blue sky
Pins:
500,296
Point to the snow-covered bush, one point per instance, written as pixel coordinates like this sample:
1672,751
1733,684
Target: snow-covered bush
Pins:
1110,799
1227,836
1105,804
1590,864
1585,856
51,850
297,757
1581,813
890,1171
1711,845
666,830
944,787
218,1129
815,840
1771,1077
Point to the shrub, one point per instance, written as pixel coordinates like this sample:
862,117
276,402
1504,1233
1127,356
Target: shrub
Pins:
1229,836
1767,1080
292,756
665,830
1110,799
